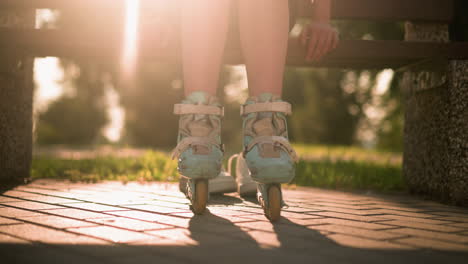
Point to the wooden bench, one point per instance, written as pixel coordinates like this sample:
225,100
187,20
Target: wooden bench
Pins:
439,171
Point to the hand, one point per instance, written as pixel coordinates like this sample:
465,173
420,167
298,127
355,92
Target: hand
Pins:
319,38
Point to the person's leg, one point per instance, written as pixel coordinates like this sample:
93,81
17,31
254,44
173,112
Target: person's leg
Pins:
199,150
264,28
204,30
264,31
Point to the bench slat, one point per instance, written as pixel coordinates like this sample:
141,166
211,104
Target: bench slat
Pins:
349,54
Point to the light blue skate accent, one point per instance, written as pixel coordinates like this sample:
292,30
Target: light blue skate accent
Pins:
270,170
200,166
195,165
266,170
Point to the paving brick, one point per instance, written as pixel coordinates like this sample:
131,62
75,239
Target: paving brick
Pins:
354,231
440,228
400,208
7,221
51,200
20,194
260,226
229,211
27,191
396,212
36,206
47,235
173,202
460,215
4,239
298,215
225,218
153,217
357,242
301,222
111,233
339,210
159,209
345,206
302,210
9,200
417,219
197,237
14,212
115,199
454,238
95,207
433,244
336,221
460,225
57,221
181,235
76,213
351,217
453,219
128,223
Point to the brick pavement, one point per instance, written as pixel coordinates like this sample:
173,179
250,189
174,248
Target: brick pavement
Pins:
58,221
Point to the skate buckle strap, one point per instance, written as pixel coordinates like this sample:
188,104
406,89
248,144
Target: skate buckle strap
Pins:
282,107
190,141
192,109
276,141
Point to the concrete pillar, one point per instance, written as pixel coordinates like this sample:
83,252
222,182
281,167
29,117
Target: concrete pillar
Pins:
435,161
16,98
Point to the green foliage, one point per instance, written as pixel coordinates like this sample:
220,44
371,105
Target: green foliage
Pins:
153,166
390,133
149,106
321,113
72,121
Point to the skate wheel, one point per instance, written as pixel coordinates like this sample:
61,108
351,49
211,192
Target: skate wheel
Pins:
273,210
200,198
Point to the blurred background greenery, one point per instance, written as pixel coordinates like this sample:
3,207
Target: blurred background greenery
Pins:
82,103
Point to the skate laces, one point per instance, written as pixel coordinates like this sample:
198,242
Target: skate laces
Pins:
265,126
199,124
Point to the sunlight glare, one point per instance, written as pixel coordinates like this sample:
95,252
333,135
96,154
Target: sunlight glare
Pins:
48,73
130,48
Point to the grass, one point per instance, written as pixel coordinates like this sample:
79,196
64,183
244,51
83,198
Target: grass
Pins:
151,166
348,168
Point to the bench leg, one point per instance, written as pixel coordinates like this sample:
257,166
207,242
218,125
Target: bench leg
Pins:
16,100
435,160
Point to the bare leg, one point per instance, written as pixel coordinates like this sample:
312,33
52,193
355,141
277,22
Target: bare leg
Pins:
264,30
204,30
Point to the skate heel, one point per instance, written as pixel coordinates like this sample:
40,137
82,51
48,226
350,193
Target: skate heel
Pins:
199,150
269,156
271,199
